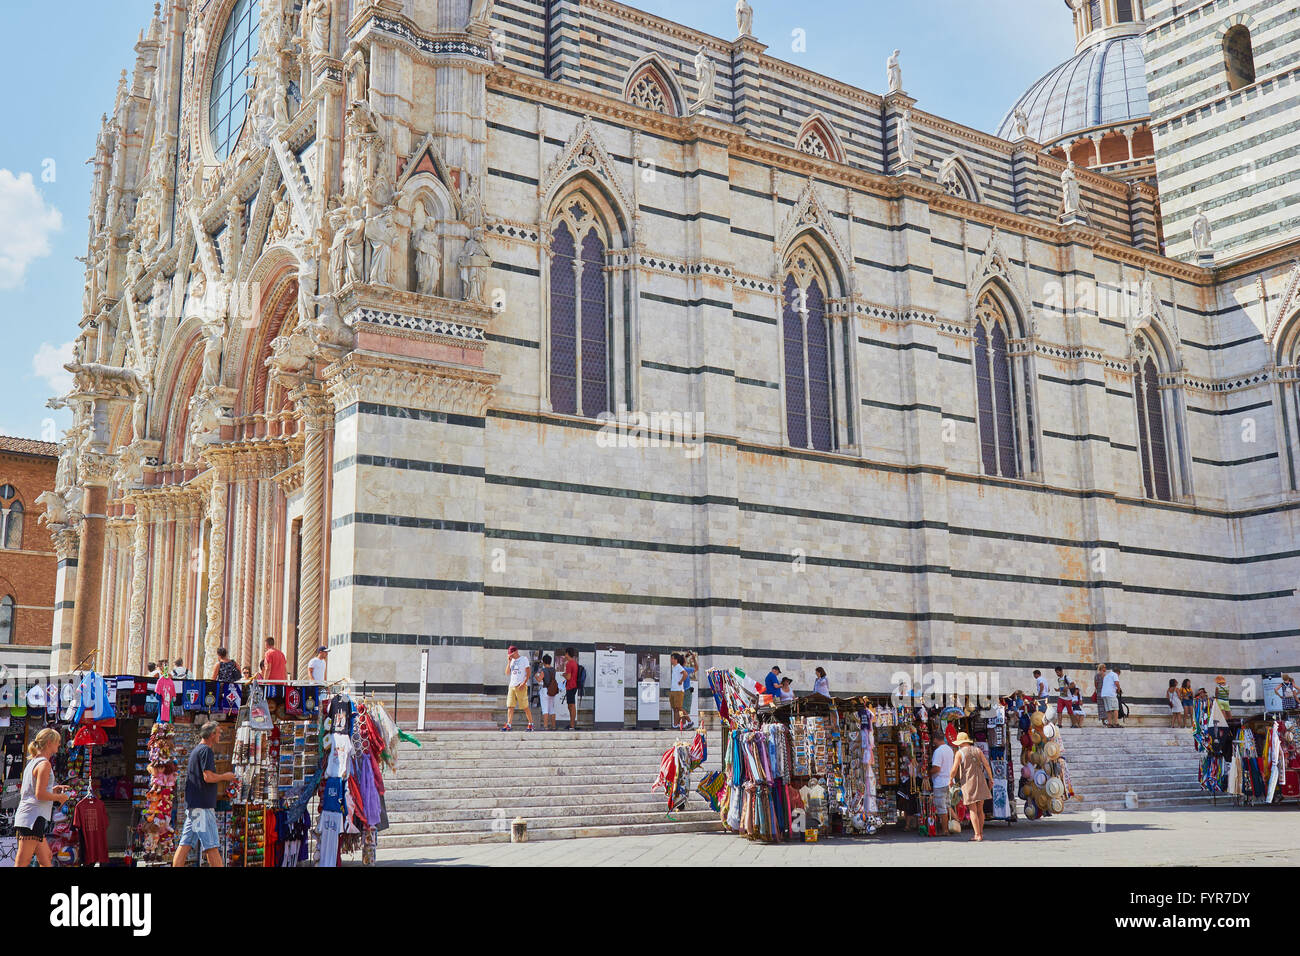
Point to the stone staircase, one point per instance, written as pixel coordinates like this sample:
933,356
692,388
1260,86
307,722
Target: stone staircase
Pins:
467,787
1159,763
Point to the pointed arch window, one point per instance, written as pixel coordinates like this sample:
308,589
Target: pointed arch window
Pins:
1003,398
956,180
816,139
809,368
650,91
580,312
1156,443
11,519
1239,57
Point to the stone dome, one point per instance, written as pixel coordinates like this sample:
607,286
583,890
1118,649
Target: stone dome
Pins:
1102,85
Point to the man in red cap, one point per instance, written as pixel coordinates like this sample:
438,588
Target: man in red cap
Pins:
517,671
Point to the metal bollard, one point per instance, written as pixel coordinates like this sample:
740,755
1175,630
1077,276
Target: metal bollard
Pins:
519,830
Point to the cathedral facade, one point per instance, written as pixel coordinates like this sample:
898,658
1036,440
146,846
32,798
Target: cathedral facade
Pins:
453,325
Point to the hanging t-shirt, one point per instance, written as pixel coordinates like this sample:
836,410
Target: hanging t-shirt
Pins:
192,695
90,819
166,691
331,795
340,715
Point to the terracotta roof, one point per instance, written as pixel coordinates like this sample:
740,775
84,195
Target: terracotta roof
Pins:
29,446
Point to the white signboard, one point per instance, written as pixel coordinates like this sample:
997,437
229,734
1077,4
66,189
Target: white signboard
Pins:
610,667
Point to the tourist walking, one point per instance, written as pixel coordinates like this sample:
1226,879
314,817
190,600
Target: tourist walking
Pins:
201,779
821,685
274,667
37,799
971,770
517,670
1040,690
547,691
940,777
318,666
1175,704
1064,702
226,669
571,685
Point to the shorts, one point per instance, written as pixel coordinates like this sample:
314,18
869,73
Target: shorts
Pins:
34,832
688,699
518,696
571,695
548,704
200,830
1176,708
1063,706
941,800
1110,703
675,700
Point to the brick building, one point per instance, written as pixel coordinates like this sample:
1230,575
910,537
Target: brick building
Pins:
27,559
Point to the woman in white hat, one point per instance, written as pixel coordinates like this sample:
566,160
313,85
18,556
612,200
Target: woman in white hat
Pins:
971,771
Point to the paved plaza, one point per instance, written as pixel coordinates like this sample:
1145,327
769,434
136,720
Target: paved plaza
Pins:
1208,836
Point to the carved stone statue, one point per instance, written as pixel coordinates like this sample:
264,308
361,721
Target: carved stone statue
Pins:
706,75
1070,189
895,72
316,26
280,217
1202,238
354,243
470,262
906,139
338,250
380,235
358,75
306,285
329,327
428,257
744,18
56,514
140,414
213,340
1022,123
198,285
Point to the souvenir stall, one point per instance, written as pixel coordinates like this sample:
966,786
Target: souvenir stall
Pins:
992,731
797,770
1255,760
127,742
1045,775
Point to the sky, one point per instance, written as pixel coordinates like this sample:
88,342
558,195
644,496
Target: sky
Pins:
966,60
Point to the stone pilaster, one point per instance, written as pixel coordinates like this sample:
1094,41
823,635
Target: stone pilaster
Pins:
67,547
317,416
95,471
218,495
139,579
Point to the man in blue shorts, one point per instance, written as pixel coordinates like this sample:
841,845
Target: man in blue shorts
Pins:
201,779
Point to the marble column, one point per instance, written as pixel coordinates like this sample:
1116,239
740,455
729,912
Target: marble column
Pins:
215,611
317,416
139,580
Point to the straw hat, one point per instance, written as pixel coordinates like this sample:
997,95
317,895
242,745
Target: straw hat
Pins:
1040,779
1055,788
1043,800
1035,736
1057,804
1049,731
1031,810
1052,748
1038,719
962,738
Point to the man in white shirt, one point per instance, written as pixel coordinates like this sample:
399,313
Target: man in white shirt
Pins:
677,692
518,671
317,666
1108,699
179,671
940,776
1040,690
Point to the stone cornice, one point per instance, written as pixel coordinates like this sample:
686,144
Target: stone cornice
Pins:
362,376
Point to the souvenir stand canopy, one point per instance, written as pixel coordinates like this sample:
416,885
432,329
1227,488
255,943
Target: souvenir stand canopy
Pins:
127,740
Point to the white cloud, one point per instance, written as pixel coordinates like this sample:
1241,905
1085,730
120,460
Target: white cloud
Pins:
26,225
48,364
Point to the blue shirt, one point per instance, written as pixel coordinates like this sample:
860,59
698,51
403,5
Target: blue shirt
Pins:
772,684
686,681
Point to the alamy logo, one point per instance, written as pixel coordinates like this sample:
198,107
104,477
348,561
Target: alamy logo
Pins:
77,910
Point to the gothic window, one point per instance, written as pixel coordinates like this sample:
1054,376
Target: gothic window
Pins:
11,519
228,99
649,92
7,619
580,313
816,139
1003,398
1239,57
809,381
956,179
1154,445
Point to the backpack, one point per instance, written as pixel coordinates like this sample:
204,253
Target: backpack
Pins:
582,677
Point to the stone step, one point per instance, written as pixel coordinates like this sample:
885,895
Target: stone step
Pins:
469,771
542,823
513,758
553,833
447,812
572,787
446,806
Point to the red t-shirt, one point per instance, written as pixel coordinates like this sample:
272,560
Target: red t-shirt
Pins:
273,667
91,821
571,675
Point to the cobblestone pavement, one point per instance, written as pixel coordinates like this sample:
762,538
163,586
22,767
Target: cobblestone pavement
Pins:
1220,836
